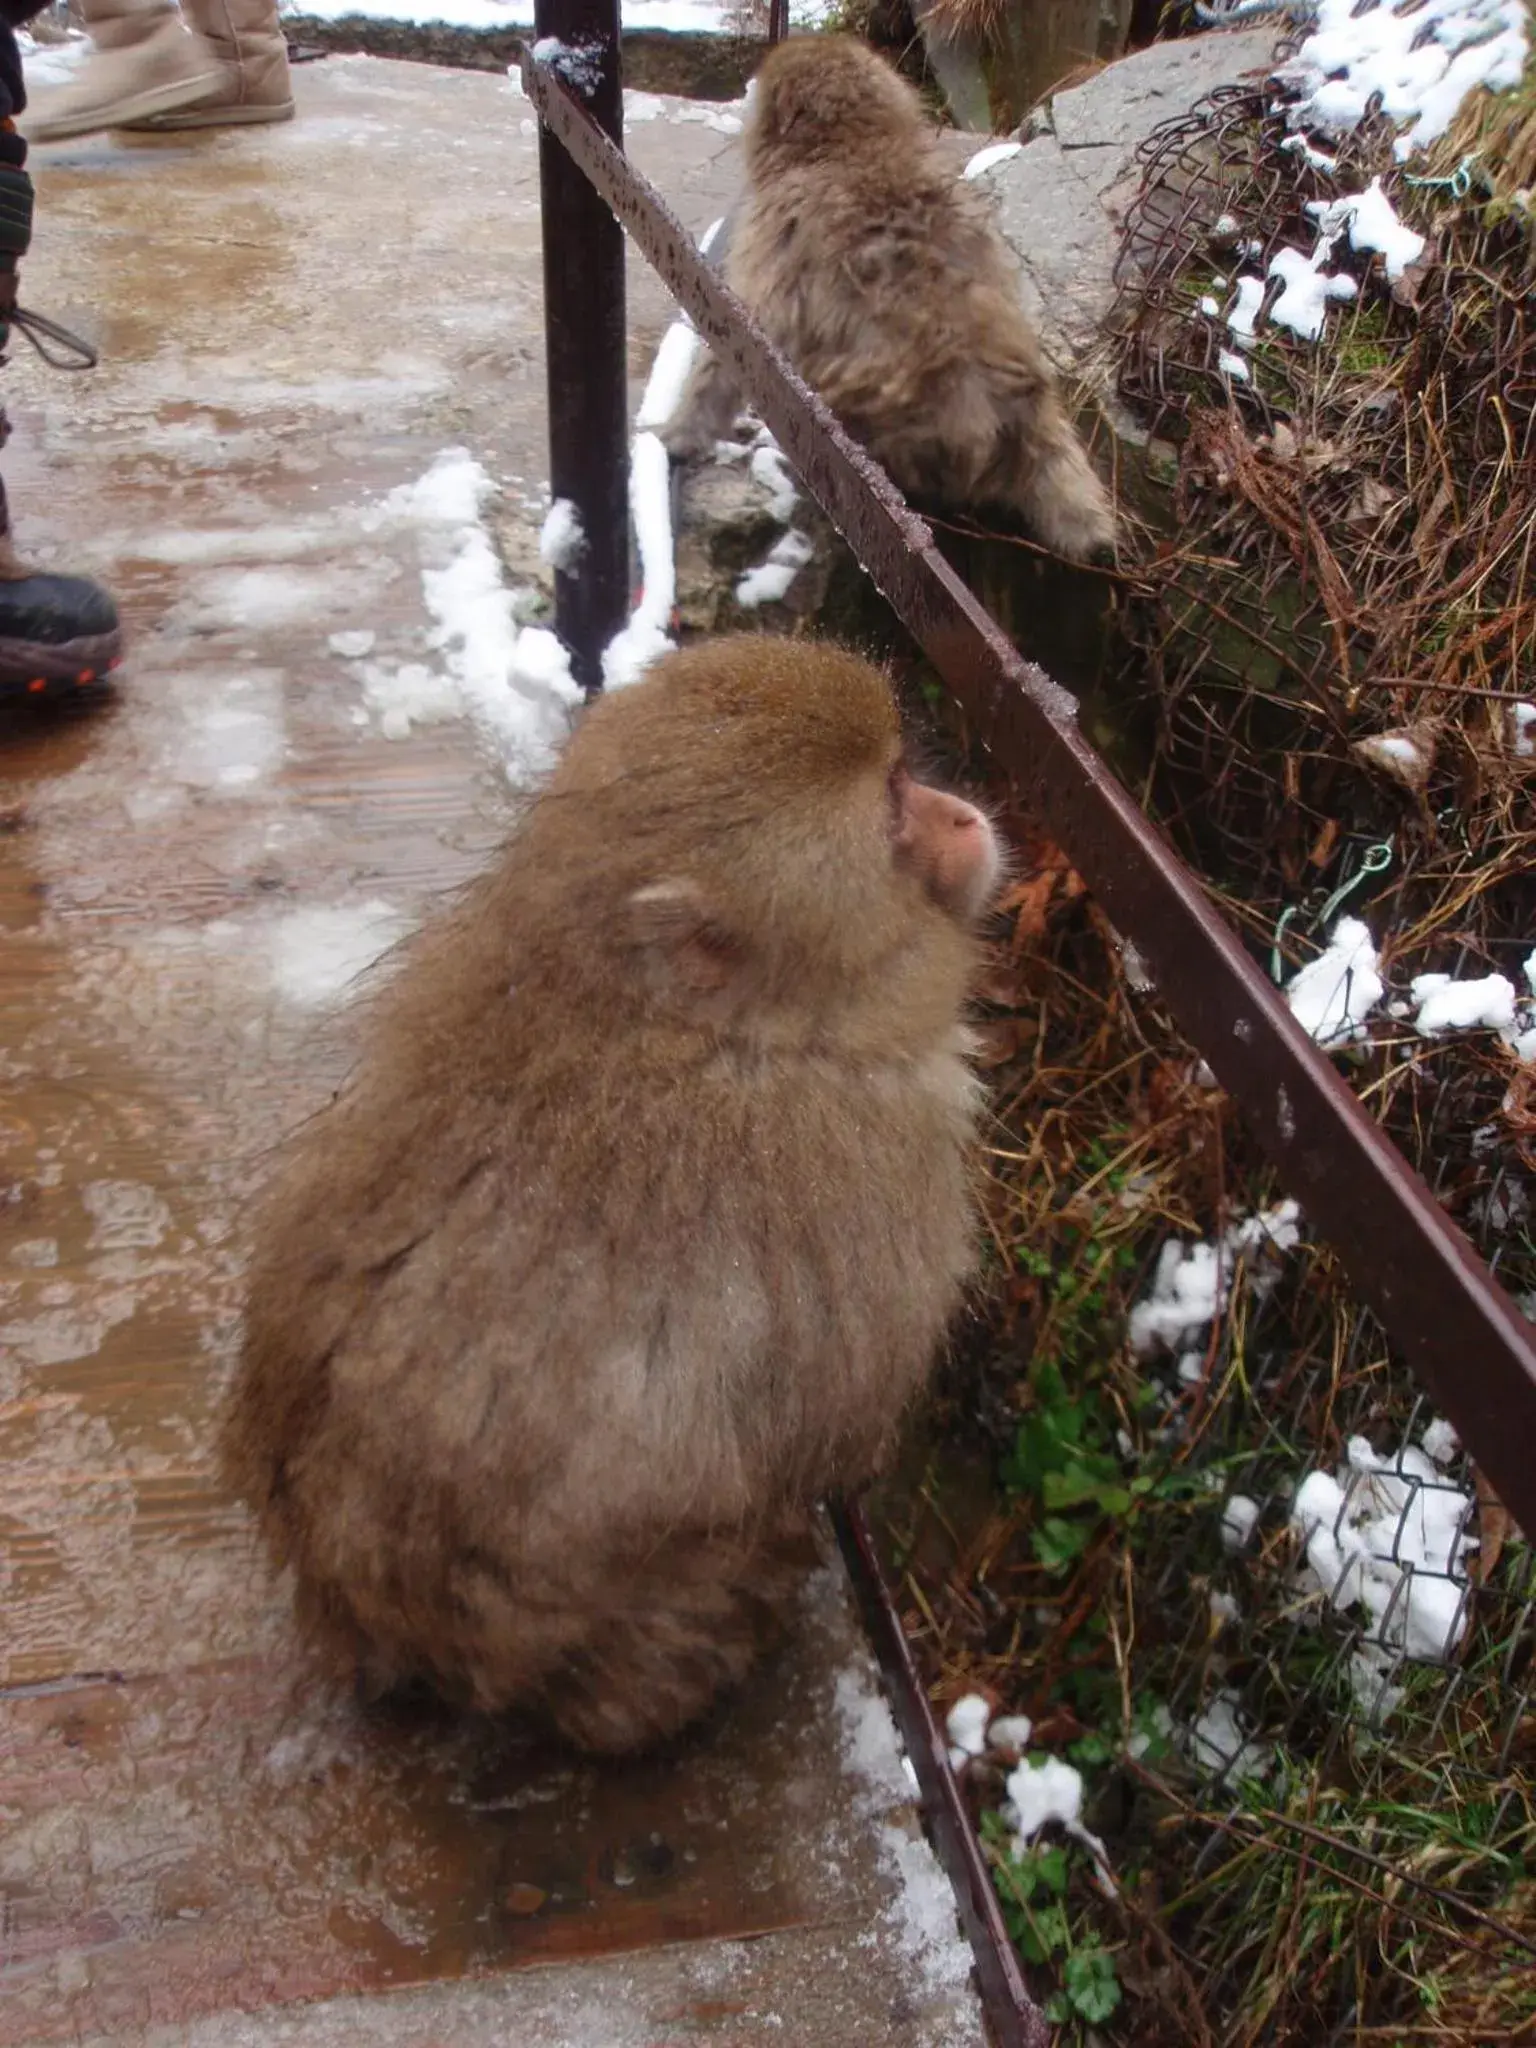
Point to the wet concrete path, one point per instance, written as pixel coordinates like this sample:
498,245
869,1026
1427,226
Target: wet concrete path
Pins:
198,1842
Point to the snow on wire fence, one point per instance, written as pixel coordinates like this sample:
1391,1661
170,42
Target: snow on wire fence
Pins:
1349,624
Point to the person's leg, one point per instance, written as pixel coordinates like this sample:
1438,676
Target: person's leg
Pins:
55,631
253,55
145,61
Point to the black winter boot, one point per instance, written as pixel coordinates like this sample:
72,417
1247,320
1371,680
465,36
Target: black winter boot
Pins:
57,633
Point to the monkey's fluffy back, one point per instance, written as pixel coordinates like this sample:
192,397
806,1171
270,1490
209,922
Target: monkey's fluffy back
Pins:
565,1273
552,1336
887,285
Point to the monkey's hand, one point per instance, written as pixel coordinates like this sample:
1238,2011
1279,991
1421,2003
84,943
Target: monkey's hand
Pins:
684,439
1067,505
706,412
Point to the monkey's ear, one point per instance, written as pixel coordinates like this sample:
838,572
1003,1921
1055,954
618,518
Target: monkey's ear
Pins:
685,947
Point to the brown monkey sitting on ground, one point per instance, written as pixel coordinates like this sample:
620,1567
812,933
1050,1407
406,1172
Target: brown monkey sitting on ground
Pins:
886,283
643,1214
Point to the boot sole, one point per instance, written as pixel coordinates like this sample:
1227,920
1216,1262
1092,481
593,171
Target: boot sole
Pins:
34,668
158,99
206,117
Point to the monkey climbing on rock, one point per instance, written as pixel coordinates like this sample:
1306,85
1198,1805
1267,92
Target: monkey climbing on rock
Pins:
888,286
642,1216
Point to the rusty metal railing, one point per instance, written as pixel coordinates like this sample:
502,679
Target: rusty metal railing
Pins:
1017,2022
1449,1319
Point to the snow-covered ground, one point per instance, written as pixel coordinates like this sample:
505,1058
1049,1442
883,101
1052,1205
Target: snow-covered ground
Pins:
676,17
921,1916
49,64
1419,65
1420,62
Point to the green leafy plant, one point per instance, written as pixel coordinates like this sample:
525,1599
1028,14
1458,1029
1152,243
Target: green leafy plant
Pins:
1061,1456
1092,1983
1033,1885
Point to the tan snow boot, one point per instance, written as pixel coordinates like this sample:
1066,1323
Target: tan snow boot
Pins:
253,62
144,61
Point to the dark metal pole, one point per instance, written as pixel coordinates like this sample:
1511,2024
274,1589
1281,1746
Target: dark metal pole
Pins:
778,20
584,335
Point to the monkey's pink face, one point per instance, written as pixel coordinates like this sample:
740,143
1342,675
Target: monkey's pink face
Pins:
946,843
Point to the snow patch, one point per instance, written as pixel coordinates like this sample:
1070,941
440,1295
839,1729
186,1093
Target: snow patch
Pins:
409,695
1388,1534
669,373
1219,1743
316,954
35,1251
126,1215
922,1914
632,650
263,598
1306,288
562,539
1440,1441
1333,995
770,580
1245,307
1191,1283
1314,159
1394,747
647,635
1372,222
1422,62
1487,1003
994,153
1010,1733
966,1727
580,65
352,646
1044,1793
514,682
923,1910
1239,1519
772,472
229,733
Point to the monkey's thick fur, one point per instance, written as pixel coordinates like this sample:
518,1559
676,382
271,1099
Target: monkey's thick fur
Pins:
638,1223
886,283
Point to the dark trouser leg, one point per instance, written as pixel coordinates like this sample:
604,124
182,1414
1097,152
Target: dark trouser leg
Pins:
15,208
56,632
13,96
